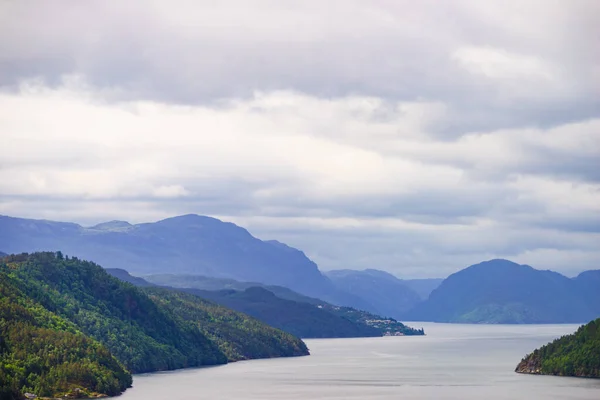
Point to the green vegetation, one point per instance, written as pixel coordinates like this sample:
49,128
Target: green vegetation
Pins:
577,354
45,354
63,319
300,319
140,334
280,307
385,326
237,335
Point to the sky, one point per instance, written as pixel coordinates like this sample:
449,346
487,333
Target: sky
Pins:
413,137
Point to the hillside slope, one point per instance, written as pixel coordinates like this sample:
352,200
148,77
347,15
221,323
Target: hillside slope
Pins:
281,307
300,319
500,291
577,354
238,336
30,333
145,331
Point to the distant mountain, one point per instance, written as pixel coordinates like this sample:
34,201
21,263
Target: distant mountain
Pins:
188,244
588,285
215,284
2,254
501,291
113,226
64,323
423,287
572,355
127,277
280,307
389,295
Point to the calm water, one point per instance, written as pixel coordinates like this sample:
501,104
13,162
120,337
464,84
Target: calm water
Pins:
451,362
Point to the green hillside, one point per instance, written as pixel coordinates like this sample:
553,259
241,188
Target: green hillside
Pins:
300,319
45,354
237,335
577,354
280,307
89,313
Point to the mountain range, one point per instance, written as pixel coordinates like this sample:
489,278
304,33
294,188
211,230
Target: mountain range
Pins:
187,244
193,248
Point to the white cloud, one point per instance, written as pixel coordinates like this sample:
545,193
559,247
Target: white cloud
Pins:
285,161
398,135
500,64
170,191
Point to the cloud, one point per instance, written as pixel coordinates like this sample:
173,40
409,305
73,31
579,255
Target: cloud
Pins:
416,137
170,191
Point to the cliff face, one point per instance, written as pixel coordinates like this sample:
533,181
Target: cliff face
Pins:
532,364
577,354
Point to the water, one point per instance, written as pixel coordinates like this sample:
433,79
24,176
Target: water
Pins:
452,362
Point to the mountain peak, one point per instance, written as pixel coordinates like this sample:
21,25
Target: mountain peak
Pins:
114,225
189,218
501,291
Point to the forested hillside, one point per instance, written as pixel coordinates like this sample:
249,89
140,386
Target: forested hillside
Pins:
45,354
572,355
281,307
300,319
237,335
95,314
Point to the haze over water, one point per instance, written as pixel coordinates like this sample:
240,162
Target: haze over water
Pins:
451,362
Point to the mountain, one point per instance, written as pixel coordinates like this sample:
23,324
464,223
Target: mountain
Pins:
216,284
237,335
300,319
89,316
188,244
501,291
423,287
281,307
2,254
388,294
127,277
588,284
577,354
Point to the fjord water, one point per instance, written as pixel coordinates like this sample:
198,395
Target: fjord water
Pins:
451,362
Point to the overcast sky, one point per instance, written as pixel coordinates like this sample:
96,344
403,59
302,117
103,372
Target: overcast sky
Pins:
417,137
